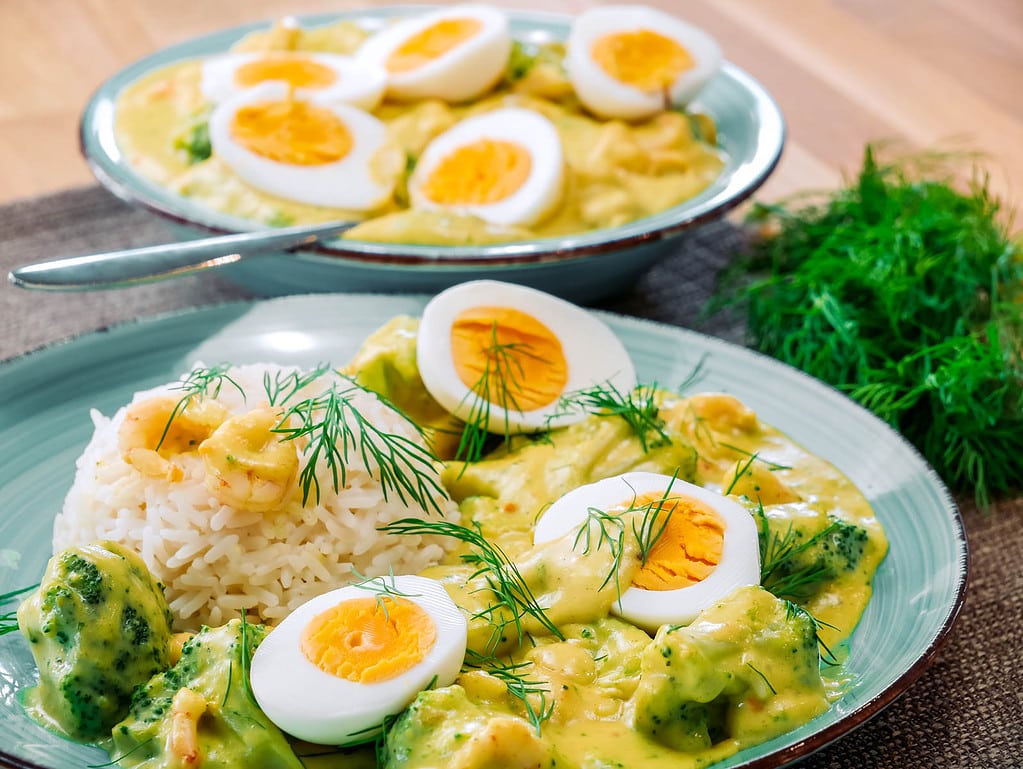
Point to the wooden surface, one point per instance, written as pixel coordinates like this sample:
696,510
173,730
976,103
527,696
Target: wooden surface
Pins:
926,73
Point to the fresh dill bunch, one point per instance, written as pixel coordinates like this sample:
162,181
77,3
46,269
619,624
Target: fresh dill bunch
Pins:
638,408
903,292
336,430
9,620
200,382
518,685
503,579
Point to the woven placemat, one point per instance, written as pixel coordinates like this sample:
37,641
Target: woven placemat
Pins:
966,710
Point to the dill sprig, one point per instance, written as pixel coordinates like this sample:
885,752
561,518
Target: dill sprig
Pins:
336,431
285,385
646,530
380,588
505,582
200,382
903,292
518,685
502,376
9,620
638,408
778,551
795,610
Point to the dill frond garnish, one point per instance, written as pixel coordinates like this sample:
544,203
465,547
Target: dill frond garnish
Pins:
380,588
903,292
610,531
285,385
199,383
336,431
740,470
9,620
638,408
505,582
793,610
518,686
762,677
502,376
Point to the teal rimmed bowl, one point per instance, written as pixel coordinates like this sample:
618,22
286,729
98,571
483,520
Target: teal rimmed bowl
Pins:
584,267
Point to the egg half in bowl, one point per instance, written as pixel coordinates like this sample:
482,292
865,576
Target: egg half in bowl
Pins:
581,266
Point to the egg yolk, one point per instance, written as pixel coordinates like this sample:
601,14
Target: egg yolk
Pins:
641,58
296,71
368,640
508,357
430,43
481,172
689,546
292,131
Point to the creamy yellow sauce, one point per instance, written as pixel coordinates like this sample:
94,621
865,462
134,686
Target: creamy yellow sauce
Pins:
615,172
610,686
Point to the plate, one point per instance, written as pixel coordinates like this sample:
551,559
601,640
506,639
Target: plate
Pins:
582,267
45,399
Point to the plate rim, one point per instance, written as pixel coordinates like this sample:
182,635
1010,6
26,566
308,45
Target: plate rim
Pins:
133,188
777,758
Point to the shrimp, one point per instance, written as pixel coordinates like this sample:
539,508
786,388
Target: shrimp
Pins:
187,708
247,465
157,428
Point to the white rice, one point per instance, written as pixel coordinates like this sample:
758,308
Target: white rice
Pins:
217,560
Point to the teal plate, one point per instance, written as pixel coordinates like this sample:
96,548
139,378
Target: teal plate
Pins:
751,134
45,398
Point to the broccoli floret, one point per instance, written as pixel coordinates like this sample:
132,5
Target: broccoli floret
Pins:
231,732
801,554
747,669
98,626
195,142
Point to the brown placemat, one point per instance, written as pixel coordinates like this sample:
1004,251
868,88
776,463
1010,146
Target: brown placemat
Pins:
966,710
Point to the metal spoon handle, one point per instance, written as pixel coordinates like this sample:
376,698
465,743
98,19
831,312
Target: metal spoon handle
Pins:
115,269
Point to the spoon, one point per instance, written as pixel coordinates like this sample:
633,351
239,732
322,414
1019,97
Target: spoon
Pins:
117,269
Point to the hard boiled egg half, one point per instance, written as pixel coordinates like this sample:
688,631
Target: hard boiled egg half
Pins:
327,77
631,61
303,149
338,665
504,355
704,545
505,167
454,53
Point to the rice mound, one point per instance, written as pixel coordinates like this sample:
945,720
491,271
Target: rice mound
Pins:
217,560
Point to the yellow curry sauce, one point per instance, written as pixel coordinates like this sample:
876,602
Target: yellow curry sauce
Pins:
615,172
615,696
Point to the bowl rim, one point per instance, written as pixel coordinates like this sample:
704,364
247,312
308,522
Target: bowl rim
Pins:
104,161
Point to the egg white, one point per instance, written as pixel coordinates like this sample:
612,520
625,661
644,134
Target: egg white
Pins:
539,193
465,72
611,98
348,183
649,609
312,705
358,83
593,352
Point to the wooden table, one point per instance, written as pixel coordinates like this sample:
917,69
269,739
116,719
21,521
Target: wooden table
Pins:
927,73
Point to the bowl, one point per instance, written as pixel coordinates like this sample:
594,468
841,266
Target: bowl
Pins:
583,267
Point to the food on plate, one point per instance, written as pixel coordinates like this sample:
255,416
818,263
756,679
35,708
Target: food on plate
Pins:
632,62
662,579
200,712
98,626
706,544
342,663
315,146
504,167
503,356
454,54
231,486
